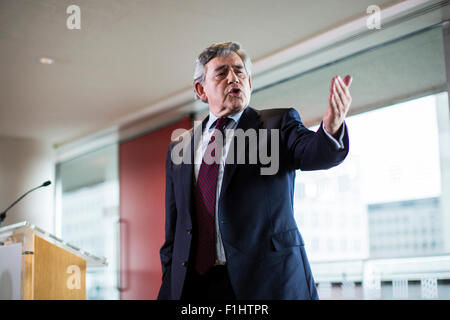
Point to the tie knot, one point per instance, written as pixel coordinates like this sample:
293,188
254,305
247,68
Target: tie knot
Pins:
221,123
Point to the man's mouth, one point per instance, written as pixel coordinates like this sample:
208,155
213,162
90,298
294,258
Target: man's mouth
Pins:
235,92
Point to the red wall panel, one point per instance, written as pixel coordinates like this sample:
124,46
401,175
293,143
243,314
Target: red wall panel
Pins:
142,188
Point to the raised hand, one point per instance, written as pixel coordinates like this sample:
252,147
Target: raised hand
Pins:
338,104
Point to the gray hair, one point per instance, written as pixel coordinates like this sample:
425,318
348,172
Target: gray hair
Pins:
218,49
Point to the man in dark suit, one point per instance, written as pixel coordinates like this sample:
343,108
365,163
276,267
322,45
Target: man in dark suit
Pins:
230,228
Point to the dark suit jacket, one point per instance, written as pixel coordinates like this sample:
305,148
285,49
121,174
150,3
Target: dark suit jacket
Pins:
264,249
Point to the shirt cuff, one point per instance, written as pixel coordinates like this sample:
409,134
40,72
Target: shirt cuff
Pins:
338,143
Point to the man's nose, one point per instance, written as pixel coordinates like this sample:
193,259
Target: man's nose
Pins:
232,77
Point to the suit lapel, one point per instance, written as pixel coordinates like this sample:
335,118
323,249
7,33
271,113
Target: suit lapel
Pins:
249,119
187,169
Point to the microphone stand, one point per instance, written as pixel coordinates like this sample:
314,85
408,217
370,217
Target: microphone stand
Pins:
3,214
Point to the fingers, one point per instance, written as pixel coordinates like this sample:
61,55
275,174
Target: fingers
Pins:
339,95
344,84
340,98
348,80
343,94
339,103
338,106
333,97
331,90
343,89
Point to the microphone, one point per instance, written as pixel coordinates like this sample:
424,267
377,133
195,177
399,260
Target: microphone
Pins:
3,214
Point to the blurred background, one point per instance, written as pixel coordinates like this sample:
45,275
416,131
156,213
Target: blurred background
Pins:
91,107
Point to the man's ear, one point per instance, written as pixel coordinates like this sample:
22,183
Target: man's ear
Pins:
200,90
250,82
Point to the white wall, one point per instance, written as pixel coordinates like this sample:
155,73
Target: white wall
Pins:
25,164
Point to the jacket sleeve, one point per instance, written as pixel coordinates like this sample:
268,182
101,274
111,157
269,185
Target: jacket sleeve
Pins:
170,223
311,150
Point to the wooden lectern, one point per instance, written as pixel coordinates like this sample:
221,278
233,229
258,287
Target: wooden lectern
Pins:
50,269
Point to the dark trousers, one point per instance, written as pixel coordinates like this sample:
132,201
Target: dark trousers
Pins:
213,285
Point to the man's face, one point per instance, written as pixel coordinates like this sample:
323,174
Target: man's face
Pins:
227,86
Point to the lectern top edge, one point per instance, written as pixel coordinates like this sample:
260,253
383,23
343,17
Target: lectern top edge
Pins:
25,226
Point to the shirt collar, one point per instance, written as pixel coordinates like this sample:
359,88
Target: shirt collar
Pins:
212,118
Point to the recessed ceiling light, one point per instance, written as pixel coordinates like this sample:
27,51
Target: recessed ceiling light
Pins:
46,60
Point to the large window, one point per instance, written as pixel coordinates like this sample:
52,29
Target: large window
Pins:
88,214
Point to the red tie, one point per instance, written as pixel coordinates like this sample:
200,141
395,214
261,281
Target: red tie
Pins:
205,205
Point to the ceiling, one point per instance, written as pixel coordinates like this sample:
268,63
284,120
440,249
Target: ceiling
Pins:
131,55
